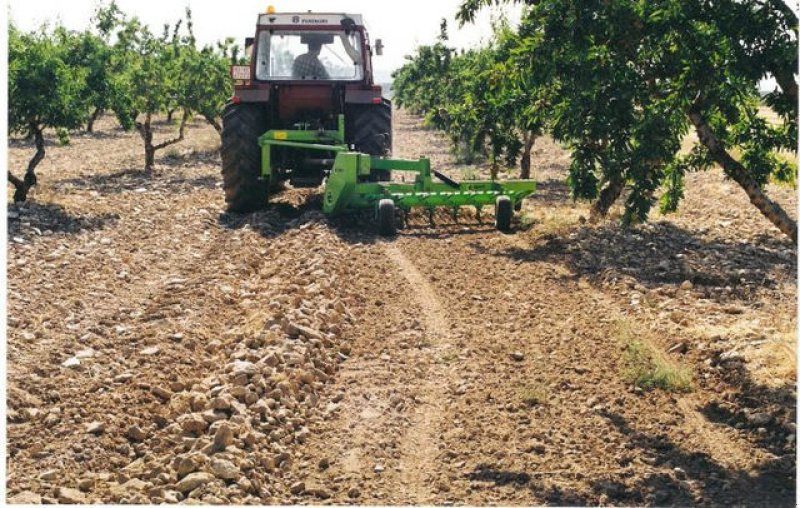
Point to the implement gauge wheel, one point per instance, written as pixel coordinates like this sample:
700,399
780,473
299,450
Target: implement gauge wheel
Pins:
386,220
503,211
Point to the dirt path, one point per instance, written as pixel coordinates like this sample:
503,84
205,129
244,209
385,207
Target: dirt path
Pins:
450,365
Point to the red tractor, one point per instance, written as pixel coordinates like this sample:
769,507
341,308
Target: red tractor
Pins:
306,70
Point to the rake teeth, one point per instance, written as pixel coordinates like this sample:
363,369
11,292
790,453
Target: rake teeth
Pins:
455,214
430,217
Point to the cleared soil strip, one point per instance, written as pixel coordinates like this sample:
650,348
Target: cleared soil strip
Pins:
419,447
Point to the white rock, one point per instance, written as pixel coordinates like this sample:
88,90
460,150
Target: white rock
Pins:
71,362
242,367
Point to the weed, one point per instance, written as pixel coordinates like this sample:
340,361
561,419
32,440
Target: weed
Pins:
648,368
533,395
172,154
526,220
448,358
469,173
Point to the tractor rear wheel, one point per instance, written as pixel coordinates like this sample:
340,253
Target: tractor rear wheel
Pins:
369,128
503,211
242,124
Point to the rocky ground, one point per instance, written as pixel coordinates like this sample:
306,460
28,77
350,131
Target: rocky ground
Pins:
160,350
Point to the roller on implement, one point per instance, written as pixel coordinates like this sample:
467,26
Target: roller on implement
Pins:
317,118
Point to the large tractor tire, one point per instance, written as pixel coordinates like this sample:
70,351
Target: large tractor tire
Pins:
242,124
369,128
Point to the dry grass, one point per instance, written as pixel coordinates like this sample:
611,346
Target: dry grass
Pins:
647,367
533,395
775,362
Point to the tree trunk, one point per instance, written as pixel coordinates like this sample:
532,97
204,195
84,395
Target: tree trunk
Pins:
214,123
23,186
608,196
146,131
734,169
525,161
169,115
92,119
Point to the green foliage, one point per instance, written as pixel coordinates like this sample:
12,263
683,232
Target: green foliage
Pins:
45,88
616,81
475,96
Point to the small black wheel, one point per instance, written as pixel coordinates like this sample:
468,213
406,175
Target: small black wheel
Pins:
386,220
503,211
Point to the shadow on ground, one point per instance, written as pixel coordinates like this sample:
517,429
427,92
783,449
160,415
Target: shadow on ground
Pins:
134,179
662,253
25,219
765,414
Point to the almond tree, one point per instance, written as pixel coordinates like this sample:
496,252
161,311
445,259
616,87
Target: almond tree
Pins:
44,91
624,81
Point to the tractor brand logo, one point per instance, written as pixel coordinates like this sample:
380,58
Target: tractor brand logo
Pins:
309,21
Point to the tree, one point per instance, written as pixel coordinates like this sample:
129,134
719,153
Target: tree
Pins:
45,91
207,84
474,96
624,81
148,77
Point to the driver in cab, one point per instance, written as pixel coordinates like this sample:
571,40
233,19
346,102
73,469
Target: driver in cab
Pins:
308,66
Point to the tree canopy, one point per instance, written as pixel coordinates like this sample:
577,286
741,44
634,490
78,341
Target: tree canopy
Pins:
621,83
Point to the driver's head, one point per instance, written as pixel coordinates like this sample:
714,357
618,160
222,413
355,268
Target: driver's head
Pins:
314,47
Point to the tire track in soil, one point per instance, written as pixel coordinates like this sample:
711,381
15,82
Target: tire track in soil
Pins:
419,443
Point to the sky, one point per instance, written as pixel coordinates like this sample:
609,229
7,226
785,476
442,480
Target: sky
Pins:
401,25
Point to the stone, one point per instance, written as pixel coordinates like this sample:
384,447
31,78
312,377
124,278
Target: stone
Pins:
297,488
758,419
224,469
185,464
49,475
150,351
223,437
192,481
295,330
70,496
71,363
135,433
193,422
172,496
378,468
221,402
243,368
318,492
687,285
95,428
160,391
136,484
353,492
86,484
25,497
517,356
84,353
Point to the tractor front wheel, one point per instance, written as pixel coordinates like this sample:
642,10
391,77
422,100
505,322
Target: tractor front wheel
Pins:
242,124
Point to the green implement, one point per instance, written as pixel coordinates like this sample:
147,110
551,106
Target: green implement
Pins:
350,186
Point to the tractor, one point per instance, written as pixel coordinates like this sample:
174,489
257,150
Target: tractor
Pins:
307,110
